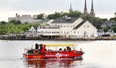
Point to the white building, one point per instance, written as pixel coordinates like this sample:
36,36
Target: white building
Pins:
75,27
35,31
25,18
67,27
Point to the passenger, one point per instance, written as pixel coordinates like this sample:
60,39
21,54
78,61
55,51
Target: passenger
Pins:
68,48
41,46
80,49
60,50
64,49
50,50
36,46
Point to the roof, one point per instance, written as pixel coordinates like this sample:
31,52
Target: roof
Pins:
106,24
80,24
58,45
65,20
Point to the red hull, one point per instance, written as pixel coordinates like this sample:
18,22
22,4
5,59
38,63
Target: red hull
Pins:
55,55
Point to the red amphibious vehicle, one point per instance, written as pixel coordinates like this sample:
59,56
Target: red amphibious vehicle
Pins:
53,51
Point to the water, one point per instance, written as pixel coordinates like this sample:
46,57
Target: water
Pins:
98,54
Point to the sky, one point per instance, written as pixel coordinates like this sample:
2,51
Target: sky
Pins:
8,8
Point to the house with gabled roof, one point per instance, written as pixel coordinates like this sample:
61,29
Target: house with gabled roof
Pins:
75,27
32,32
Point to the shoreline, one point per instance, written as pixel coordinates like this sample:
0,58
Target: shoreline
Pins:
55,39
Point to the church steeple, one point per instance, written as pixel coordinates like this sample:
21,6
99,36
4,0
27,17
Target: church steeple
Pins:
92,6
85,8
70,10
92,13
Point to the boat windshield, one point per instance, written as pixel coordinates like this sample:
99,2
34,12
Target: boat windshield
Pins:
60,46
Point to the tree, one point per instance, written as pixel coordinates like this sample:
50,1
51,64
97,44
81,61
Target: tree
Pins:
114,29
18,22
40,16
3,22
74,14
61,14
106,29
54,16
115,14
13,21
3,31
113,19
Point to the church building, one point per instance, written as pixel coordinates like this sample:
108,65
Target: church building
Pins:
92,13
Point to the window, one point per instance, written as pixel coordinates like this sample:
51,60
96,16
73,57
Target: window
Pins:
88,26
39,32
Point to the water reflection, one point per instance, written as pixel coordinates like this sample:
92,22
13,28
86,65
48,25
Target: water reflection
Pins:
52,63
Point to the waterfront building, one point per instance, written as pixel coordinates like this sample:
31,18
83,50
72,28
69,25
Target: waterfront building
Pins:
75,27
106,25
68,27
32,32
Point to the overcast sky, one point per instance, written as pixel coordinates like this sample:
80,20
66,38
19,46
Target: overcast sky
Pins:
8,8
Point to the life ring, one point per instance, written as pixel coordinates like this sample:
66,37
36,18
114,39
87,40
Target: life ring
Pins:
36,52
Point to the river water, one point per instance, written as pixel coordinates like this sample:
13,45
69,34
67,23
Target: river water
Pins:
98,54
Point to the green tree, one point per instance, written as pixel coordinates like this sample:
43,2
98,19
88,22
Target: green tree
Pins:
61,14
115,14
3,22
54,16
106,29
113,19
114,28
74,14
18,22
13,21
40,16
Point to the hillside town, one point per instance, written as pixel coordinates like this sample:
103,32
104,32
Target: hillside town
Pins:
64,26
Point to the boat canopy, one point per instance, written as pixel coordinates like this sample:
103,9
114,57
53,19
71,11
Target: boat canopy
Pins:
59,45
